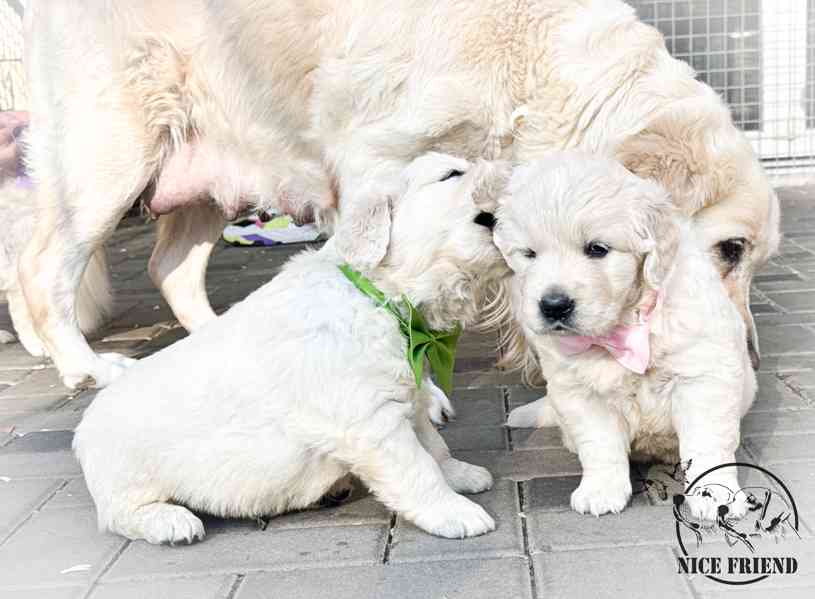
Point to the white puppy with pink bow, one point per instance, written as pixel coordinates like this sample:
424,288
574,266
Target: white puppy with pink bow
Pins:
614,300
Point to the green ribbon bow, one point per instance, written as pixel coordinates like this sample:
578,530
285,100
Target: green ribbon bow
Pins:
439,347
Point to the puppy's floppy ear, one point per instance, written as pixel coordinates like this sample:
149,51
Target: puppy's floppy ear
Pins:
490,183
657,226
364,230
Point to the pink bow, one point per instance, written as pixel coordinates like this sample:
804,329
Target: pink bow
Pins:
628,344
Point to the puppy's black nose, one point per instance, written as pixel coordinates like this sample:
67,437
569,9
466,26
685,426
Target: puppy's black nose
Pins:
556,306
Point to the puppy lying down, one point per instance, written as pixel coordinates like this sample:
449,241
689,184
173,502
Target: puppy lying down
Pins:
622,311
332,390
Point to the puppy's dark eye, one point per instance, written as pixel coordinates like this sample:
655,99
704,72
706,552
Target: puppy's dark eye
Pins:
451,174
530,253
596,249
732,250
485,219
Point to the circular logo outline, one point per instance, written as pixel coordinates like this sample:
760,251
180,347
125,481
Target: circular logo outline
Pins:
729,465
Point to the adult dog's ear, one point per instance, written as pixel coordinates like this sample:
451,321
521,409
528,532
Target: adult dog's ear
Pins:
658,228
364,231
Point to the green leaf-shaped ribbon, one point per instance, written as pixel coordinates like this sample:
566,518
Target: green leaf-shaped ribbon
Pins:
439,347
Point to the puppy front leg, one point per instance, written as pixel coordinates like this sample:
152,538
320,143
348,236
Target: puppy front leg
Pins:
706,416
602,445
461,476
406,478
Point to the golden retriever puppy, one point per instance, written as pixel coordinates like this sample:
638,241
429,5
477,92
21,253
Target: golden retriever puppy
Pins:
619,306
203,107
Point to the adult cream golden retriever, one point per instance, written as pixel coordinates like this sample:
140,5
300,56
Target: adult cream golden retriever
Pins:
203,107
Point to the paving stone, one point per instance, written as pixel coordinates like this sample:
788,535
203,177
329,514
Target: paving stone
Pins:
523,465
44,442
786,340
501,502
781,448
536,438
10,405
365,510
14,357
478,407
73,495
75,592
19,497
462,579
761,592
773,394
629,572
55,464
520,395
51,542
564,530
11,377
211,587
802,380
247,550
474,437
772,423
795,301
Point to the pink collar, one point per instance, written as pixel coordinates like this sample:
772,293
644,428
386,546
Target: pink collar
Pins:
630,345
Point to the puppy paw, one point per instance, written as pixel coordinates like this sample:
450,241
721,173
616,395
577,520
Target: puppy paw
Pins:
164,523
602,493
466,478
454,518
533,415
439,407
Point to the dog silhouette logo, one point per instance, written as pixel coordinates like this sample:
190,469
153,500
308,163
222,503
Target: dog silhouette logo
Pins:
758,524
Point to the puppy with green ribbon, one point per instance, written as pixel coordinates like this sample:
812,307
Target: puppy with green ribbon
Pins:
342,348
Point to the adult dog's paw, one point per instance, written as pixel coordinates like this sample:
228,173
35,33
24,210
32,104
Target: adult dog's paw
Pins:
454,518
537,414
600,494
101,372
466,478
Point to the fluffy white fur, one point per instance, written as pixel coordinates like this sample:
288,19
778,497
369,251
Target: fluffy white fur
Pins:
94,300
689,403
255,98
331,391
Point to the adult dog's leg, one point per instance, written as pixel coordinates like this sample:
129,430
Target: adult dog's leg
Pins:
602,444
404,476
81,200
461,476
178,265
21,318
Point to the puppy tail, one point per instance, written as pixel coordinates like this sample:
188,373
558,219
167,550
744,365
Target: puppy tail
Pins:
94,299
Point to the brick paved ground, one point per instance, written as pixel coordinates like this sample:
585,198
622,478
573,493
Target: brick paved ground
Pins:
50,548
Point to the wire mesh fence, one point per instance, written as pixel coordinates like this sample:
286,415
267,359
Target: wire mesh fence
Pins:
12,77
759,54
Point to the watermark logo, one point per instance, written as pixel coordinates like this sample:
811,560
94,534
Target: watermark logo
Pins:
747,534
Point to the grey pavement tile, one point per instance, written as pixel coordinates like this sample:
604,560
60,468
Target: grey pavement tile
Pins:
784,320
781,448
54,464
564,530
787,364
11,405
773,394
524,465
45,381
536,438
478,407
19,497
760,592
800,481
245,550
67,592
73,495
11,377
501,502
552,493
626,572
211,587
474,437
795,301
802,380
41,442
463,579
50,543
365,510
521,394
771,423
785,340
14,357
